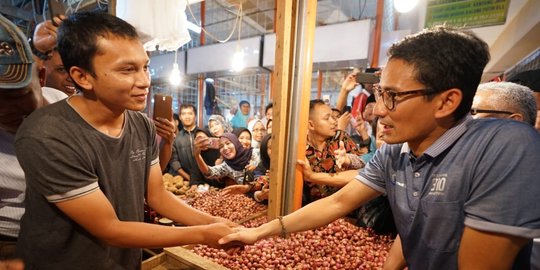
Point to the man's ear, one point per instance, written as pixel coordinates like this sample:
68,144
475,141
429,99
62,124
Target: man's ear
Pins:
516,116
82,78
311,126
448,102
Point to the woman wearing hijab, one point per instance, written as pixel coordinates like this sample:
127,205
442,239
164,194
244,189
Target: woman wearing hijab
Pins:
258,130
211,157
259,189
236,159
217,125
244,136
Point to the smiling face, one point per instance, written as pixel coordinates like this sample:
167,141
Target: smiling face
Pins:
216,128
187,117
121,78
57,76
226,148
245,139
413,118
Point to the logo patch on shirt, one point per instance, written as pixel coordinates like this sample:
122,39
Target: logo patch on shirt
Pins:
438,184
395,182
137,155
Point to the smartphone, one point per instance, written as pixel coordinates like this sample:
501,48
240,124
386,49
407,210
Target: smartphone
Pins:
362,77
162,107
213,142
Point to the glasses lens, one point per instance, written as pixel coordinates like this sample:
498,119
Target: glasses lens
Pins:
388,100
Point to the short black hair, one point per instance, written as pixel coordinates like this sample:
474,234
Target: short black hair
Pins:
314,103
78,37
443,58
268,107
187,106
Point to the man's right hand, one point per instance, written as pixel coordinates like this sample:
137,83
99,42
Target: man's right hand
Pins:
349,83
216,231
243,235
306,168
45,34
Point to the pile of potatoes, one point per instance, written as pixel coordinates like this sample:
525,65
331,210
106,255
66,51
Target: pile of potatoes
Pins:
175,184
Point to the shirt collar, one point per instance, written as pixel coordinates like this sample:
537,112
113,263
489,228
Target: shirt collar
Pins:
447,139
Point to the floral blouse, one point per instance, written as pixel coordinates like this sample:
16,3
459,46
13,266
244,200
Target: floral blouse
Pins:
325,161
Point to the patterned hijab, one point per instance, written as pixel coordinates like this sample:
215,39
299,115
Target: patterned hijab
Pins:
243,155
218,118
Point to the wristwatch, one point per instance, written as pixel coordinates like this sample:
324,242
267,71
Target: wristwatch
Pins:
43,56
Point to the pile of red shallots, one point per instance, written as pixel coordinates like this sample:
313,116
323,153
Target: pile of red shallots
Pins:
231,206
339,245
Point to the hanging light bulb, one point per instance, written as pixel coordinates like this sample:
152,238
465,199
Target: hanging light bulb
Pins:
404,6
238,60
175,77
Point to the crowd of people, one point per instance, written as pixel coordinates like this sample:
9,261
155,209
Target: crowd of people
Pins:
78,173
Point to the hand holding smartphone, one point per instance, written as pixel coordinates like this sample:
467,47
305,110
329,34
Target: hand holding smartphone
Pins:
162,107
213,143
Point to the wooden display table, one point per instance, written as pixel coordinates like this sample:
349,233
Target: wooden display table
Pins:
179,258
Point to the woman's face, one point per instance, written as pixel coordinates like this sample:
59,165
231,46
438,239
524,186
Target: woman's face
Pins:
245,139
258,131
226,148
216,128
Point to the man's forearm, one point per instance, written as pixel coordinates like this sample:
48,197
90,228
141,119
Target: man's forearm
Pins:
332,179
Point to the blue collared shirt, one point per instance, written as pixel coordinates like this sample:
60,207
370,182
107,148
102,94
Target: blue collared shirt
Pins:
483,174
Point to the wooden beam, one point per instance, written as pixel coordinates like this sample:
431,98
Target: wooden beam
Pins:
291,95
305,51
283,71
377,34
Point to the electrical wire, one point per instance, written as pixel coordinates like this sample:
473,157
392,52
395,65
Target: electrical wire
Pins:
238,21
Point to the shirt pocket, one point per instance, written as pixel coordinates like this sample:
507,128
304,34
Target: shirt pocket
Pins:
442,225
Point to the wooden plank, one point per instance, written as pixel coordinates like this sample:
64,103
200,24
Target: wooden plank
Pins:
153,262
190,259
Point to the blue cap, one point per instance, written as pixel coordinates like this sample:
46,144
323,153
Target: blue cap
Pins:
15,56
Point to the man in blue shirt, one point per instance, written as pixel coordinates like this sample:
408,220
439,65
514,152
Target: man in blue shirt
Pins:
463,192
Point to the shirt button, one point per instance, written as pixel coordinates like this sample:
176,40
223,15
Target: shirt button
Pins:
416,174
415,194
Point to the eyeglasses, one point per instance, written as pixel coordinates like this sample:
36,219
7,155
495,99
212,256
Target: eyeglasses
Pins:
259,130
389,97
477,111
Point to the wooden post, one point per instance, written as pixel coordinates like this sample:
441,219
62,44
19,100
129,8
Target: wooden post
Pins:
283,71
203,20
291,95
377,34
